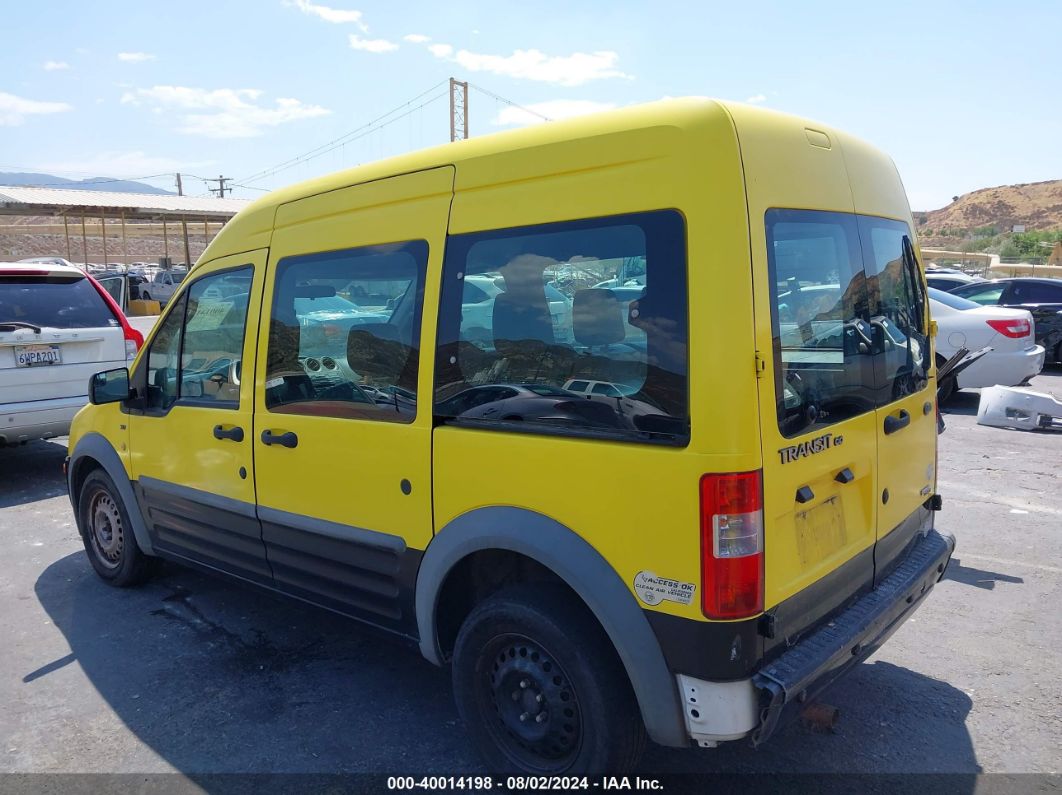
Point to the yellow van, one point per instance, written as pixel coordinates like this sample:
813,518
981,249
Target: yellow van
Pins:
628,419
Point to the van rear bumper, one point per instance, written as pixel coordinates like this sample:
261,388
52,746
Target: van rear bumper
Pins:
819,658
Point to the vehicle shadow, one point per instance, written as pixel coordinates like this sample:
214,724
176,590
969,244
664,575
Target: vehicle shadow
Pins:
31,472
893,721
219,678
216,677
979,578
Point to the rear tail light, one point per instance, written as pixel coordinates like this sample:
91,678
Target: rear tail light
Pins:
1014,329
732,545
131,347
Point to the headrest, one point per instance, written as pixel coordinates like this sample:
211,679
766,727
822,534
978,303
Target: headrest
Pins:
597,317
523,318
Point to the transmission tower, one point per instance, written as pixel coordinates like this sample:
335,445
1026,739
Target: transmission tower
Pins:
458,110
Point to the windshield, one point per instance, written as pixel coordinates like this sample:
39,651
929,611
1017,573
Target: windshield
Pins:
949,299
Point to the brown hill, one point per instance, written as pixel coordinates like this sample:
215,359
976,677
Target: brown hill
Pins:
1036,205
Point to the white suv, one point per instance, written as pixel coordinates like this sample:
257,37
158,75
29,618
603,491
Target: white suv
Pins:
57,328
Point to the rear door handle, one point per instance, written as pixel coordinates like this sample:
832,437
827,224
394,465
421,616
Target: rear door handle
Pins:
893,424
235,434
287,439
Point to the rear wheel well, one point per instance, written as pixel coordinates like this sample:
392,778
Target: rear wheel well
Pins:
480,574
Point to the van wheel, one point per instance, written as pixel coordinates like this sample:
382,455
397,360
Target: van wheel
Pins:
108,534
146,297
541,689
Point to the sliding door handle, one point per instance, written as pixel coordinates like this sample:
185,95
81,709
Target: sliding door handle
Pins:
893,424
287,439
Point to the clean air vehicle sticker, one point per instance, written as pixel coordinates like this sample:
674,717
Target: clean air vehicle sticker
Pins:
653,590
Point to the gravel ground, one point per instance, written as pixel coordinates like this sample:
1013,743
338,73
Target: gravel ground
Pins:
203,676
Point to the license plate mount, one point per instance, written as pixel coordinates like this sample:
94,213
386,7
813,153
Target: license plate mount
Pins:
820,532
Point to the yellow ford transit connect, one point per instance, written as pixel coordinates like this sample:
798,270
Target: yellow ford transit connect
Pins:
628,419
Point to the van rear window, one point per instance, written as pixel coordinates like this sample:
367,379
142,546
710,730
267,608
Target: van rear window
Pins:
529,317
847,313
53,301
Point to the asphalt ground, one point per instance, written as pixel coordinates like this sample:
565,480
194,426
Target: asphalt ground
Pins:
201,676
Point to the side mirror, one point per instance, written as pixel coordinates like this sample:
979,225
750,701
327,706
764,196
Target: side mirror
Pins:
110,386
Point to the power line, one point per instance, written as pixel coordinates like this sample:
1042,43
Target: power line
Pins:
509,102
353,135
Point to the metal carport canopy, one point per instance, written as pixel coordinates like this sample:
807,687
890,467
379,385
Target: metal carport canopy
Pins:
130,206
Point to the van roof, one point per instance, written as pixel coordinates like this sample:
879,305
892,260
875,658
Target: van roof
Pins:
683,113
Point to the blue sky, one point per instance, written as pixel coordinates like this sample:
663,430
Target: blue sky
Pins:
962,95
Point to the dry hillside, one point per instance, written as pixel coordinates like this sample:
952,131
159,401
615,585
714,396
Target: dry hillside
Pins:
1037,205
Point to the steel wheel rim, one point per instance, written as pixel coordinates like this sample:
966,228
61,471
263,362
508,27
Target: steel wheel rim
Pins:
106,530
530,705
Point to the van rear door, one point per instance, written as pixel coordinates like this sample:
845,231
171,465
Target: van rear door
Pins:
906,416
818,420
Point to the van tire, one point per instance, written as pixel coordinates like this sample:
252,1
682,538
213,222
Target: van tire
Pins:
528,651
107,533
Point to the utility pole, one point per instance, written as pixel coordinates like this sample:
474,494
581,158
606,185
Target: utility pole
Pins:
220,189
184,226
458,110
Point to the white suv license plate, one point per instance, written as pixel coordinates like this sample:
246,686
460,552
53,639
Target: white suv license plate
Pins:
31,355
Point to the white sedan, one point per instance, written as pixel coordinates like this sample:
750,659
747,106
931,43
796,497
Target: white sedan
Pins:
1015,357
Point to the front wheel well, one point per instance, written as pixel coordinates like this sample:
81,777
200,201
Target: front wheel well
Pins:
480,574
82,468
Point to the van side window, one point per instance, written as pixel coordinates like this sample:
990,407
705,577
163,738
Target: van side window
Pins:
545,310
196,354
212,350
163,360
823,337
344,333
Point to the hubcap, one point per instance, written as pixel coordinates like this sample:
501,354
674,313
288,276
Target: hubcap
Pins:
536,713
106,529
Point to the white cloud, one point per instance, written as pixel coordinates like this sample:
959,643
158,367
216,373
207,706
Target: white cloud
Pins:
14,110
223,112
416,38
371,45
135,57
554,109
337,16
756,99
566,70
115,164
55,66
